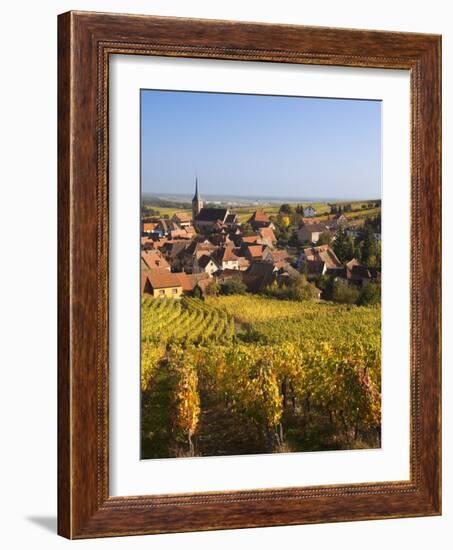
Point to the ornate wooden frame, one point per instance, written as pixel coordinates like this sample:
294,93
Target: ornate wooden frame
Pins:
85,41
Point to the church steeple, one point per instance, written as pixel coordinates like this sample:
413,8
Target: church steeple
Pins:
197,203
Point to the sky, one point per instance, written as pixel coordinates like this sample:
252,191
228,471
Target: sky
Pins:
258,145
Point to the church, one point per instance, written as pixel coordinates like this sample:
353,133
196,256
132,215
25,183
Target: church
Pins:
204,219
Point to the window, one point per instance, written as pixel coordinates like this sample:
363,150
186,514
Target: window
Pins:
161,292
174,291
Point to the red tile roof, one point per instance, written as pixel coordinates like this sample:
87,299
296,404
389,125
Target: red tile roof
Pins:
184,281
147,226
158,243
179,234
154,260
267,233
278,255
323,253
226,254
189,282
182,216
251,239
259,216
161,278
255,250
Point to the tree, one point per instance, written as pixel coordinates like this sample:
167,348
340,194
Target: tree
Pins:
343,293
370,248
286,209
374,222
197,293
297,288
343,246
294,239
369,295
325,238
301,289
233,286
213,288
286,221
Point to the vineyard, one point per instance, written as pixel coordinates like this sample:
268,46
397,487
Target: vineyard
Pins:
250,374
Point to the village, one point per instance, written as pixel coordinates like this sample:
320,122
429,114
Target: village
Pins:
210,251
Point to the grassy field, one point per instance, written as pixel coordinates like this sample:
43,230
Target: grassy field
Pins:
250,374
245,212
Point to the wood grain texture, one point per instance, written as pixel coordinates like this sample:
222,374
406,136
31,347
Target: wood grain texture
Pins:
85,42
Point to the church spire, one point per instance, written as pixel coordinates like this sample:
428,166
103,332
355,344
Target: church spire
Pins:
196,188
197,203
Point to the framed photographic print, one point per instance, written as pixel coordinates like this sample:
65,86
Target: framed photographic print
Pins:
249,275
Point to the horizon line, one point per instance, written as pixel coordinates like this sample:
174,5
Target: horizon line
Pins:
262,197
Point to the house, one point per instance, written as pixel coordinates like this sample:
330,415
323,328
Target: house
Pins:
182,219
220,239
146,243
160,283
357,273
219,227
231,221
153,259
259,276
274,256
190,231
288,273
145,285
311,233
260,219
226,258
194,250
179,234
205,264
243,263
190,281
164,226
174,252
148,227
267,236
251,239
224,275
309,211
152,241
285,271
321,253
315,268
254,252
206,219
339,218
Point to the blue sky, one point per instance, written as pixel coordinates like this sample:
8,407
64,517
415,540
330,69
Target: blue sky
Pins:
256,145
